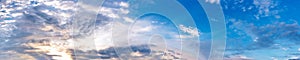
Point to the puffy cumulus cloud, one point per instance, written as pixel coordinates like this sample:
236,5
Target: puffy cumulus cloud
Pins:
189,30
124,4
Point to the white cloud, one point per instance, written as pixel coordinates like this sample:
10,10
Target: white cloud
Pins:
127,19
7,27
185,36
213,1
117,12
9,21
103,35
143,29
109,12
265,8
16,14
66,5
124,11
190,30
123,4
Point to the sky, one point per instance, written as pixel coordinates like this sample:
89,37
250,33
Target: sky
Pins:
253,27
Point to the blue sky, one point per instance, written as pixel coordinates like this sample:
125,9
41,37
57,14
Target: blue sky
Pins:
253,26
249,23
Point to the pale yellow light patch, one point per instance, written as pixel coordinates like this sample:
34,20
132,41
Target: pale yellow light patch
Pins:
55,46
136,54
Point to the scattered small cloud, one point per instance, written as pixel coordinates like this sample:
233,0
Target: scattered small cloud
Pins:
266,7
213,1
190,30
124,4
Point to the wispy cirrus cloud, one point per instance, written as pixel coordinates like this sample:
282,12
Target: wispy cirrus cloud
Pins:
265,35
